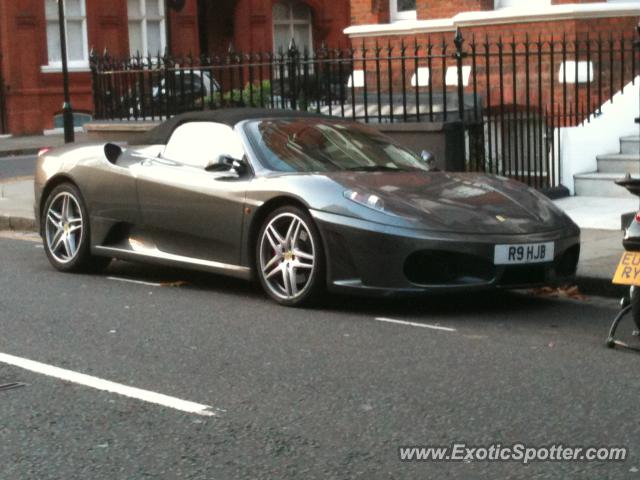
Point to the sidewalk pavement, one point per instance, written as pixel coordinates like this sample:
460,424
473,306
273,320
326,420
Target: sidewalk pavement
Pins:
16,204
13,146
600,213
600,250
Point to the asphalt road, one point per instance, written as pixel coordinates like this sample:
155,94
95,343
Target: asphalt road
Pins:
300,394
19,166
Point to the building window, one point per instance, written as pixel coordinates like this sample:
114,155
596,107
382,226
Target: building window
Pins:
76,28
568,72
402,10
147,34
292,20
521,3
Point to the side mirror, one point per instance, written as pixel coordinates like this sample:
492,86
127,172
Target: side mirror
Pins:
112,152
429,159
225,163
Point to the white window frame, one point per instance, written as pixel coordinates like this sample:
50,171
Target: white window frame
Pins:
74,65
421,77
500,4
291,23
144,19
568,71
400,16
451,77
356,79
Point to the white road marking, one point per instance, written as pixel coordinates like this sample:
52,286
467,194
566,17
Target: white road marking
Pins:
107,386
413,324
137,282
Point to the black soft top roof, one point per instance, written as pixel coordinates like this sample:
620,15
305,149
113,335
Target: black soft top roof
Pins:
229,116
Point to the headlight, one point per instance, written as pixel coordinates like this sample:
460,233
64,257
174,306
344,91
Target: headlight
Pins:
368,200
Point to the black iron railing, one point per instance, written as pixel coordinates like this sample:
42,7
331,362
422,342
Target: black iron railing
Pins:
4,125
512,94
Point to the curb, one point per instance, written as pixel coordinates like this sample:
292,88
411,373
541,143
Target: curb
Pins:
601,287
17,223
19,152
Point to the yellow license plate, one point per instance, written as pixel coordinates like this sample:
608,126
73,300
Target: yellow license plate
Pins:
628,271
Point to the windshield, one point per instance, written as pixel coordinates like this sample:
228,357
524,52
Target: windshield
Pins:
317,145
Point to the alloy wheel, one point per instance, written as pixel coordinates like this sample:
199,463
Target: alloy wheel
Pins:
287,256
64,227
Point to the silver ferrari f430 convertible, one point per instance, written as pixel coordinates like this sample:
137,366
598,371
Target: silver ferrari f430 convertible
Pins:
301,202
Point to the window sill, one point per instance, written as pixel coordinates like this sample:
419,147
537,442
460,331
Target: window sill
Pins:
401,21
405,18
56,68
404,27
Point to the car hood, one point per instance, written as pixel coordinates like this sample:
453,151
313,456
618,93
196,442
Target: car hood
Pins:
453,202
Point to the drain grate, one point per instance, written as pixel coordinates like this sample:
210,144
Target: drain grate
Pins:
11,386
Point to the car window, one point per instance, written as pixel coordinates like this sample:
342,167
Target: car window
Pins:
314,145
198,143
187,82
196,83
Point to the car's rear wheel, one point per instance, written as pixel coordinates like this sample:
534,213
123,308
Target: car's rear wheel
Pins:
290,258
65,232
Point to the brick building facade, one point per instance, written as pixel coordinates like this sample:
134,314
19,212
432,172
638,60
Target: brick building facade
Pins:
396,17
30,50
29,41
373,20
429,25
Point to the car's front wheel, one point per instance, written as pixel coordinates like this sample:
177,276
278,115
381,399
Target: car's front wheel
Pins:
290,257
65,232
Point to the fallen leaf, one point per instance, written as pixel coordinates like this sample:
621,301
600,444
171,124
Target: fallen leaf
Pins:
571,292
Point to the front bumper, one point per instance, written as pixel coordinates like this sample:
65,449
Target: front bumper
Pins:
367,257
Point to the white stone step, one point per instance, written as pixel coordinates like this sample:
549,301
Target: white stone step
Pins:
600,185
619,163
630,144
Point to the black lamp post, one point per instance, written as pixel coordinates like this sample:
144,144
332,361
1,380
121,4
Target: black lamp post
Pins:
67,111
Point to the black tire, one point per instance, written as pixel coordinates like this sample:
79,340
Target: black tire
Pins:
81,261
314,282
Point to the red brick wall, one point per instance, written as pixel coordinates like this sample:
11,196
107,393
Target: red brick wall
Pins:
22,26
509,34
35,97
184,29
217,22
434,9
377,11
365,12
107,28
254,31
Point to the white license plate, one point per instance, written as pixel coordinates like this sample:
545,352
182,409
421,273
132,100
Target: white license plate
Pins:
524,253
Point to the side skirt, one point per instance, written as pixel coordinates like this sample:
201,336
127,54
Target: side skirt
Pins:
155,256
